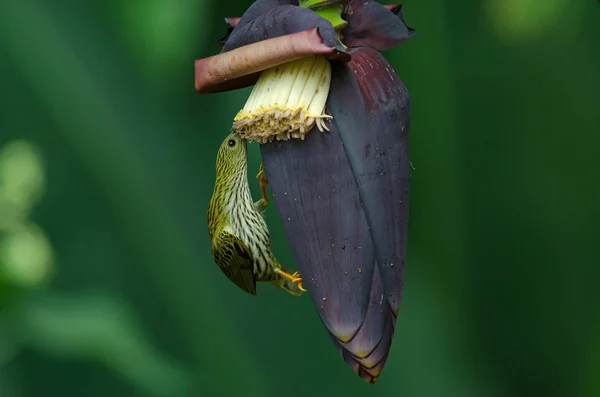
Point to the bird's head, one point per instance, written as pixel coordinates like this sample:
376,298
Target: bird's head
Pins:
232,156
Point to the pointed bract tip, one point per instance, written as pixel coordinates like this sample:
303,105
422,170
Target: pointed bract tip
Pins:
396,9
231,24
365,368
377,26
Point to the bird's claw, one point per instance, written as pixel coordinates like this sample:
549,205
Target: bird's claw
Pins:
263,182
261,172
297,279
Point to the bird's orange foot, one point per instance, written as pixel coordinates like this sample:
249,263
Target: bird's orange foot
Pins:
295,278
263,182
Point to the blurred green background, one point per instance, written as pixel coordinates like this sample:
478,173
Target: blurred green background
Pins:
107,287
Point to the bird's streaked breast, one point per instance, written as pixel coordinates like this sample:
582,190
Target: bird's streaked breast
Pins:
248,224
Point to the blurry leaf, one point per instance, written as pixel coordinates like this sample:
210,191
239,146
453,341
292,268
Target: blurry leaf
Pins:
7,388
22,179
593,375
433,337
159,32
99,327
26,256
529,19
98,128
11,213
9,346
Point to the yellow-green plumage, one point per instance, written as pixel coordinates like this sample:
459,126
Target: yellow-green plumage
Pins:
240,241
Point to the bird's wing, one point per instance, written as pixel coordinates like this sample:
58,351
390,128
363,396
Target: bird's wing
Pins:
233,258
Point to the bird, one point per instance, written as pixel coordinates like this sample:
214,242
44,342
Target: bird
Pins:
239,235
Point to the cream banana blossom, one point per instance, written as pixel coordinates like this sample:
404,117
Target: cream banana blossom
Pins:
287,101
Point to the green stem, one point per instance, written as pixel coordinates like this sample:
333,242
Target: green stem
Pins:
330,10
313,4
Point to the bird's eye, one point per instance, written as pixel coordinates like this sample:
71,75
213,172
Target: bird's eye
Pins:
231,142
